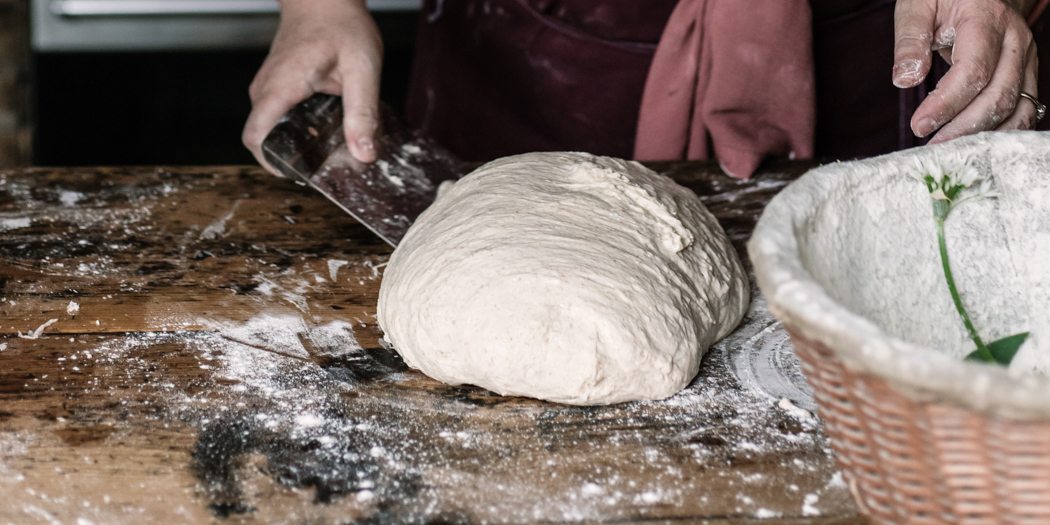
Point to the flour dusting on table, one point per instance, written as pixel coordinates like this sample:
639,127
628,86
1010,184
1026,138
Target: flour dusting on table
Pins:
279,396
357,427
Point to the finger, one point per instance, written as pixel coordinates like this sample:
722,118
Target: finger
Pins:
1024,116
997,100
975,55
360,79
913,31
271,103
944,43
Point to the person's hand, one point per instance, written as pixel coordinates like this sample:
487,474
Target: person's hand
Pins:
992,56
321,46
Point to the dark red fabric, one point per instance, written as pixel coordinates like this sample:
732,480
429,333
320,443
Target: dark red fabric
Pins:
858,107
499,77
1041,32
623,21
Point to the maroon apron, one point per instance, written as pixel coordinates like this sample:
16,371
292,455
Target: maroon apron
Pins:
498,77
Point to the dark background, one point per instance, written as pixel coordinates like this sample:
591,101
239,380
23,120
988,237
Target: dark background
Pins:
174,108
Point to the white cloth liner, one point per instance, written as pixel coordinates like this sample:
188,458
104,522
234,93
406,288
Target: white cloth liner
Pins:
1016,161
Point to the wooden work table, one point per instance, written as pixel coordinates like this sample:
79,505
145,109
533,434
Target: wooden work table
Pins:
224,366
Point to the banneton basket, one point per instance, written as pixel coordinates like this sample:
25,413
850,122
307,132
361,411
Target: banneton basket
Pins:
847,258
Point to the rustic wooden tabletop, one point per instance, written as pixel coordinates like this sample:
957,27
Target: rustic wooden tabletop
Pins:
194,345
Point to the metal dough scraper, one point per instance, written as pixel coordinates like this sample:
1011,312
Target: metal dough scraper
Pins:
387,195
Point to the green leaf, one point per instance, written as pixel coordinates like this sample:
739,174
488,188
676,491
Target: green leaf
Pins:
976,357
953,192
1002,350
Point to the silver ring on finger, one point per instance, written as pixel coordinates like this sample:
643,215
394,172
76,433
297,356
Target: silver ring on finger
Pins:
1040,109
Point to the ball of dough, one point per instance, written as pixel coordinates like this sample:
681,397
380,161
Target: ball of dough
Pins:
566,277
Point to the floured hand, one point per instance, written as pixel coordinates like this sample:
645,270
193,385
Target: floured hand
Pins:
992,56
321,46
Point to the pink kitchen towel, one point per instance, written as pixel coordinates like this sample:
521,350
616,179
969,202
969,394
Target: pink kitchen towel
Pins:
732,80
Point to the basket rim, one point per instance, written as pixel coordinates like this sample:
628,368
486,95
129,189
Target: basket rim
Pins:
919,372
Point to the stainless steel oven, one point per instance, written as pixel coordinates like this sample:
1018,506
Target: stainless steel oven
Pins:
123,82
111,25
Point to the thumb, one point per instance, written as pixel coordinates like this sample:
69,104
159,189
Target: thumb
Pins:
913,26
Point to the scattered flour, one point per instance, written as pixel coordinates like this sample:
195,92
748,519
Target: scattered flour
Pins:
333,268
70,198
14,224
34,334
387,432
218,228
808,508
389,441
786,405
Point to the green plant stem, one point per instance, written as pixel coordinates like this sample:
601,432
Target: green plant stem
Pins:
981,348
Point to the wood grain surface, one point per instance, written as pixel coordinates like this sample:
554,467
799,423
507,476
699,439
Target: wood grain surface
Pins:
224,365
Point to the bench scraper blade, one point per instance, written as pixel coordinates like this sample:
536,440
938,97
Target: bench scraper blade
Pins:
387,195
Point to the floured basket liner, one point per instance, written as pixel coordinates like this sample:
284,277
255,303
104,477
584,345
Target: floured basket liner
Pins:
847,257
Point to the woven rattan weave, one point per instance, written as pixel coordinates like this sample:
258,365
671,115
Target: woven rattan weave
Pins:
913,463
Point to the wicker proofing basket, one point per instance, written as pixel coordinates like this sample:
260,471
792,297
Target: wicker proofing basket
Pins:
922,436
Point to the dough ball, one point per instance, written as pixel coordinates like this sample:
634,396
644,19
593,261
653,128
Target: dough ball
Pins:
566,277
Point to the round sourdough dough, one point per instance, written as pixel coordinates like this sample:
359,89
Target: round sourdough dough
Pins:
563,276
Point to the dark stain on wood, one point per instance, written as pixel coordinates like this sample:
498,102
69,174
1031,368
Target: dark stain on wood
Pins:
219,452
332,470
360,365
241,289
77,436
476,396
151,268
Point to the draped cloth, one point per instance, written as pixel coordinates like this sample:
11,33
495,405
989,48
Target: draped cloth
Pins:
733,80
